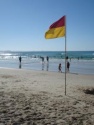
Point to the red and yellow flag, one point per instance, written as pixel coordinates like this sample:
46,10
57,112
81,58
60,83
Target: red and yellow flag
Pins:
57,29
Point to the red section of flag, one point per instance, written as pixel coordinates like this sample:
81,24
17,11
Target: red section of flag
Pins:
58,23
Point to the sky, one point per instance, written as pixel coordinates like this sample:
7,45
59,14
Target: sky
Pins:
23,24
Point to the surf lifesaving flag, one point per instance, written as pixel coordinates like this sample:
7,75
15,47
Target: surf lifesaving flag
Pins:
57,29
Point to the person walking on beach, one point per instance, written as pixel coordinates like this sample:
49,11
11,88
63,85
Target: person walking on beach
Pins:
68,66
59,68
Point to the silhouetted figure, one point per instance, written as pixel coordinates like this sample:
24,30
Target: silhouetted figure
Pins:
67,57
20,59
59,68
47,59
42,59
68,65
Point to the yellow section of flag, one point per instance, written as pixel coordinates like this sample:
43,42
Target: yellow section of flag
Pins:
55,33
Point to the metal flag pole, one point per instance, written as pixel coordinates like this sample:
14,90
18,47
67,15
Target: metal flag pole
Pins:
65,54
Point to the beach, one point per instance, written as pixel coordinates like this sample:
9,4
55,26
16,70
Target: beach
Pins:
29,97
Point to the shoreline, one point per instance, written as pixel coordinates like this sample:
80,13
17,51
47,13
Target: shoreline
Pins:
69,72
76,66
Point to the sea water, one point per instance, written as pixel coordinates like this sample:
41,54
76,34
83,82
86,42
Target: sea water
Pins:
80,61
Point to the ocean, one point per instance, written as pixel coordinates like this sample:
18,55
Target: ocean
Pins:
81,62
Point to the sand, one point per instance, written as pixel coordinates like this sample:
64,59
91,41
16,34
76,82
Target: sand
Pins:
30,97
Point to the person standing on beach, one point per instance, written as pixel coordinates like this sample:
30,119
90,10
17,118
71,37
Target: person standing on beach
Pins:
20,59
68,66
59,68
47,59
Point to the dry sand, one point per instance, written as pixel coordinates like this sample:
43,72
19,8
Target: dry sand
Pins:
38,98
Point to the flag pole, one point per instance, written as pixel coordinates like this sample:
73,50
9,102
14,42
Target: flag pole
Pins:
65,54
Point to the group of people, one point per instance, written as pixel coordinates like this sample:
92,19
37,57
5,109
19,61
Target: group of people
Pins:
47,58
20,60
60,67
